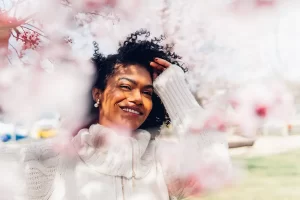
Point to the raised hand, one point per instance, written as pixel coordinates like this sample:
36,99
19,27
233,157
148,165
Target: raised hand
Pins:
159,66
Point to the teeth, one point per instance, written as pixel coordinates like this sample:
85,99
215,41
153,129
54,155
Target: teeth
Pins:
130,110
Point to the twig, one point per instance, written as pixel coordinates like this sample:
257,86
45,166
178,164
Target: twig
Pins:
22,28
15,50
64,4
34,27
15,36
93,13
9,60
28,17
34,31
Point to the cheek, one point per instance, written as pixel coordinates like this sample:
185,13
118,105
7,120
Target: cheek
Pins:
148,105
118,97
113,97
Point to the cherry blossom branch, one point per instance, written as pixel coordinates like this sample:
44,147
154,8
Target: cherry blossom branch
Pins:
34,31
28,18
15,50
13,35
9,60
104,16
16,36
34,27
94,13
66,3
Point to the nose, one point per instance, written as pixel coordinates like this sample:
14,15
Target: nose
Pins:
135,97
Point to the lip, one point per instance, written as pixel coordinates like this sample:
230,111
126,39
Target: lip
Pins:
135,108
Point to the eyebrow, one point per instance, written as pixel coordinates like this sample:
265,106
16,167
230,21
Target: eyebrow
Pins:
135,83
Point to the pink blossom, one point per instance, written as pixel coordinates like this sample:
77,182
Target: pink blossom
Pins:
263,3
261,111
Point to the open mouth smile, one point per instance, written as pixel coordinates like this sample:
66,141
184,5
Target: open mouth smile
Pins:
132,110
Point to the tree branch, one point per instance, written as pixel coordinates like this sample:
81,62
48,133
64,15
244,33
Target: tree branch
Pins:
67,3
9,60
15,50
34,27
22,28
34,31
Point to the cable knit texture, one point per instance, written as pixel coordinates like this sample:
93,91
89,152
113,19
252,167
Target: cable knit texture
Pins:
118,156
173,90
41,164
127,168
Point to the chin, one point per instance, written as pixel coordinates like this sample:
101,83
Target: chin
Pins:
130,127
127,127
128,124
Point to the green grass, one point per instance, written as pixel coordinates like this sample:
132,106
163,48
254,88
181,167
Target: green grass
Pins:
275,177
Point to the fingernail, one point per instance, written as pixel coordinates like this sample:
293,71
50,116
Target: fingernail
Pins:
155,59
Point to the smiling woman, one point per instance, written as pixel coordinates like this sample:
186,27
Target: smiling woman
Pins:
127,99
124,88
136,89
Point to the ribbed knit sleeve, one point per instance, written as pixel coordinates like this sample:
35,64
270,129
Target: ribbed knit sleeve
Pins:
173,90
194,152
41,165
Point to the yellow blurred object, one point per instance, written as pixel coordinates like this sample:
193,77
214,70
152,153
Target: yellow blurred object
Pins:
46,133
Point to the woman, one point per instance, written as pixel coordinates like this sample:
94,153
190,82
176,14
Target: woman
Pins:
134,92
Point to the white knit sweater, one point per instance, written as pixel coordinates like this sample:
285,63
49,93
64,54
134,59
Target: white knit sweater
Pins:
129,168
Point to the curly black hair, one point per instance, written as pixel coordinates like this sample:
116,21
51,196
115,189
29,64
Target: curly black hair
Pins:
134,51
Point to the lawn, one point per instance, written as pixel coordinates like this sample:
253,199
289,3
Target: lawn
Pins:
274,177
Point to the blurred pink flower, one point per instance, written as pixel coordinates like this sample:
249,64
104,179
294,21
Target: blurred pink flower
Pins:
98,4
253,3
30,39
6,25
263,3
261,111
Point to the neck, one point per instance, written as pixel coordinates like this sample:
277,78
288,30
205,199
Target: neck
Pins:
117,128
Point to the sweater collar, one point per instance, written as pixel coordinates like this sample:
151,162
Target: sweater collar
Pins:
112,153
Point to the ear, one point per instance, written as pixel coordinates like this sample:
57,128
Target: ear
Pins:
96,94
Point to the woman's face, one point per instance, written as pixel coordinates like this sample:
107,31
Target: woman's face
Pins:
126,101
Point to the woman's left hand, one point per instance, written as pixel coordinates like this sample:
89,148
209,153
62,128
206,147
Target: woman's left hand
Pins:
159,66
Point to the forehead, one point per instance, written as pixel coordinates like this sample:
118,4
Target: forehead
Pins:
134,72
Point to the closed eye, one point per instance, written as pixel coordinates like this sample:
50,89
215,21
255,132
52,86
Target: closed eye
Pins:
125,87
148,93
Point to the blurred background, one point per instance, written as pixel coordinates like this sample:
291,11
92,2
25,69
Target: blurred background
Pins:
243,65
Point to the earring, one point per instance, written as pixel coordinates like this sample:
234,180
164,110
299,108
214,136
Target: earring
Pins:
96,105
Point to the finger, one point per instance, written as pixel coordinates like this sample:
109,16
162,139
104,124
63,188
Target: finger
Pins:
155,75
157,66
162,62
